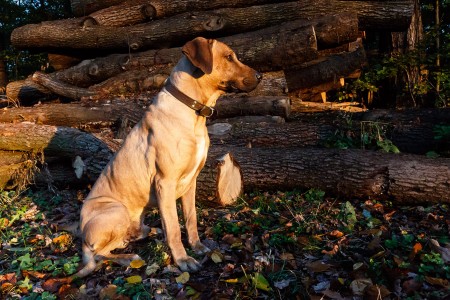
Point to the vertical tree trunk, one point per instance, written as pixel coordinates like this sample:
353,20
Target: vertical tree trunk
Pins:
3,76
438,46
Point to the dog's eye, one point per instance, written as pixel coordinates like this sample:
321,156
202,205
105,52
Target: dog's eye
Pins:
230,57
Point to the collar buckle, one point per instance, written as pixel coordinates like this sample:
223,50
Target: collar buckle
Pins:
206,111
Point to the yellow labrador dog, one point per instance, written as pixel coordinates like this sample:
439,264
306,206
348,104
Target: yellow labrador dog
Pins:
161,158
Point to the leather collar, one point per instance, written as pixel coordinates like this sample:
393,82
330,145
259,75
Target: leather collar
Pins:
200,109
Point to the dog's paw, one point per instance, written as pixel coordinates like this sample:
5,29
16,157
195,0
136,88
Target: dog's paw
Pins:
200,249
188,264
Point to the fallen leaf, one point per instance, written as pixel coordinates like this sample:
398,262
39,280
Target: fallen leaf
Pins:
375,292
359,285
217,257
416,249
152,269
137,263
108,292
34,274
134,279
437,281
53,284
332,252
333,295
183,278
282,283
289,258
411,286
10,277
261,282
336,234
232,280
317,266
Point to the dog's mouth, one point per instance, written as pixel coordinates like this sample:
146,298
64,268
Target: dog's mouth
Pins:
235,87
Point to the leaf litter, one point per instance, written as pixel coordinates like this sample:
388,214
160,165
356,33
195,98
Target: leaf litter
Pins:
281,245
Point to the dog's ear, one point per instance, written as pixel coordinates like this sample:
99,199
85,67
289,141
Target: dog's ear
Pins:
199,52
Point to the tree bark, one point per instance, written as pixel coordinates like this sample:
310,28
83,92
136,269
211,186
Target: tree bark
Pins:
75,34
326,69
231,106
392,15
92,116
401,178
349,173
56,141
260,49
169,32
412,131
86,116
164,8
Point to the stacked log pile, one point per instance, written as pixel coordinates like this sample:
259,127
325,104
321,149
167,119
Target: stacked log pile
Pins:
116,54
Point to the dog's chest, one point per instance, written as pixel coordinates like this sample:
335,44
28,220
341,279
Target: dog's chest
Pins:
197,162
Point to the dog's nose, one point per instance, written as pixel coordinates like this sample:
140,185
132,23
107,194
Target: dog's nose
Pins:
258,76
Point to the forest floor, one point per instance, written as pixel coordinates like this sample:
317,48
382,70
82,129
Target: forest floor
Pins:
281,245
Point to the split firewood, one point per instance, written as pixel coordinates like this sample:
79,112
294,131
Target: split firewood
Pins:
221,181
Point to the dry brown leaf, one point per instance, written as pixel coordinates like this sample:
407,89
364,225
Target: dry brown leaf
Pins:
359,285
336,234
375,292
108,292
289,257
437,281
34,274
410,286
333,295
318,266
415,250
53,284
332,251
10,277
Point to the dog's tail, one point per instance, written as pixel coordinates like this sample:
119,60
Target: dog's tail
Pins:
89,262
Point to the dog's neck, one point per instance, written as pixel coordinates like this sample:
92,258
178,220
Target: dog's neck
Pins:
205,93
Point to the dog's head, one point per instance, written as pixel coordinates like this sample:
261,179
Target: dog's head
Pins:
220,65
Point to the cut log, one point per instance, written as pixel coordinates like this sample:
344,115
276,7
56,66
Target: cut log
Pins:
230,106
91,115
325,69
259,49
221,182
86,116
75,34
60,88
56,141
62,61
27,92
124,14
412,131
350,173
163,8
85,7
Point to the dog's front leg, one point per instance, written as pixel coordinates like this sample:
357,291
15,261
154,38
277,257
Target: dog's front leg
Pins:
165,191
190,217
